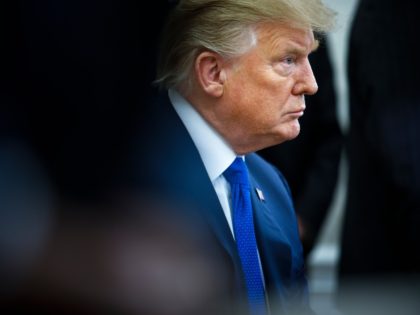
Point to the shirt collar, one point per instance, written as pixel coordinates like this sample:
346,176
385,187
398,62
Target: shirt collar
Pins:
214,151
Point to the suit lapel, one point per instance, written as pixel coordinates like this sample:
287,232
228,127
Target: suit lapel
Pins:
273,243
266,224
190,179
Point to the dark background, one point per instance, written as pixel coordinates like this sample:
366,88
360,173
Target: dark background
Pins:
74,75
74,78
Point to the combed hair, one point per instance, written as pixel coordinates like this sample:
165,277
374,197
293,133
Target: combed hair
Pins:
226,27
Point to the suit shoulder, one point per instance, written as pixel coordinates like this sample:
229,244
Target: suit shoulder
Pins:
262,168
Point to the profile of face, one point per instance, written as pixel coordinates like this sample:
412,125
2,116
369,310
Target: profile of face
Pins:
262,93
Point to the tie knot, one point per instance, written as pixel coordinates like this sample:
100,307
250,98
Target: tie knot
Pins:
237,172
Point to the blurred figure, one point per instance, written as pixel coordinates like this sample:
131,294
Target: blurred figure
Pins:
380,236
73,75
117,257
26,214
310,162
26,195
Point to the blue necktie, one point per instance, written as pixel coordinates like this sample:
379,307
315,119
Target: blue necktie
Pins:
243,227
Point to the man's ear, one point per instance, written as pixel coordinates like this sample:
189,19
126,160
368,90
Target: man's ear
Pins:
210,71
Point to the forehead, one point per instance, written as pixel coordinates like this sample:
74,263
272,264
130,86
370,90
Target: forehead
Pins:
279,36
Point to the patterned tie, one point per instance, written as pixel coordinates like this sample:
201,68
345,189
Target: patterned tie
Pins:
243,227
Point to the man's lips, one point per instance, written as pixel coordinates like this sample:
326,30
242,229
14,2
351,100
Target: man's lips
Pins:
298,112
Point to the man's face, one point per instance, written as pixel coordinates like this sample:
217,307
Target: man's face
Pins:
263,96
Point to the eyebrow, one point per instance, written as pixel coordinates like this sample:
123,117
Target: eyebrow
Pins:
297,49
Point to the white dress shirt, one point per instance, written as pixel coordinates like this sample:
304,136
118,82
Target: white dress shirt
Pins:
215,152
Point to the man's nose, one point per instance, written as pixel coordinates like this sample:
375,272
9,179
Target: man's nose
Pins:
306,82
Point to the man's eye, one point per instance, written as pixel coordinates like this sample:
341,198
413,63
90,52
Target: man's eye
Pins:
285,65
289,60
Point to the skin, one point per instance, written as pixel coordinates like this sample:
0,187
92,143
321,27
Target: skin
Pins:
254,101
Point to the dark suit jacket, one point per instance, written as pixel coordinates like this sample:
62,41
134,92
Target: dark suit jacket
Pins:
166,165
381,226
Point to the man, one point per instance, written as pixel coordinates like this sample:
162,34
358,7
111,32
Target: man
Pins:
383,192
236,73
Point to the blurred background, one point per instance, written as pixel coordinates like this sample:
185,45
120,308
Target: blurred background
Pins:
74,76
323,259
365,259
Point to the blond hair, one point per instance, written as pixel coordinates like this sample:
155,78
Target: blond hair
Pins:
227,28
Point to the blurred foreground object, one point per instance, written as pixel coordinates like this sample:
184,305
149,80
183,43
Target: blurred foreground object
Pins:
100,261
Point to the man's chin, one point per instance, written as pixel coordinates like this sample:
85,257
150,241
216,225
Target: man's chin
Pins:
293,131
283,137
